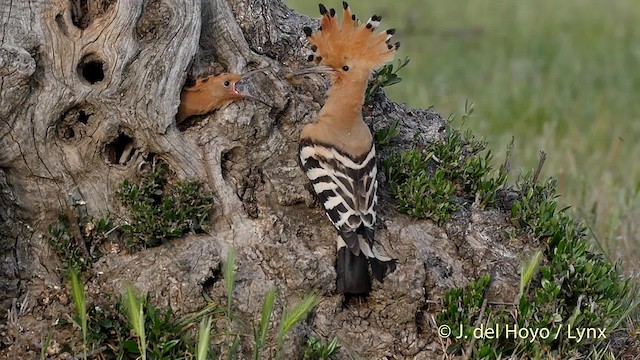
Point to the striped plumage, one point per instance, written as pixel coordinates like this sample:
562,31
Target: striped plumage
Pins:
347,188
337,151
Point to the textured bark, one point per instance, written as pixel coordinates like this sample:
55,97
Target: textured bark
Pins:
88,98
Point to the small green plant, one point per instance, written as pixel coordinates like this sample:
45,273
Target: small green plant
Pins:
385,135
46,341
435,180
79,300
81,252
161,210
134,328
462,306
417,192
289,318
385,76
136,317
320,349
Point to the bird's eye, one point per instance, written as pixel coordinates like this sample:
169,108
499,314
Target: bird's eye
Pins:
345,68
226,83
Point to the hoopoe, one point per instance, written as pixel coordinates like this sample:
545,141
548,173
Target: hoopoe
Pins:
211,93
337,151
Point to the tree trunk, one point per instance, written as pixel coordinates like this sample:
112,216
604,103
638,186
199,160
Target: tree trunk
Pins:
89,91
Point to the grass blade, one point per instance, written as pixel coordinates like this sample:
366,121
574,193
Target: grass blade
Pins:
292,317
79,299
45,345
267,310
229,272
529,269
135,315
203,338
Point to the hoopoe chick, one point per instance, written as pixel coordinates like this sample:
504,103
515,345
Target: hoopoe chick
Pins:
337,151
211,93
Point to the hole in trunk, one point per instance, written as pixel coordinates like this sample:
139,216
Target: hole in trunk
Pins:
91,69
120,150
83,12
74,122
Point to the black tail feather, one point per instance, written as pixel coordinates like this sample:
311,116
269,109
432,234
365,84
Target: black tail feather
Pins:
353,273
381,268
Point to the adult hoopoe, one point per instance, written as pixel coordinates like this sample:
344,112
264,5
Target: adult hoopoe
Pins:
212,93
337,151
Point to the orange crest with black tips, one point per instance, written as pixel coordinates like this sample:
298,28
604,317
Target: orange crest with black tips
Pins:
345,44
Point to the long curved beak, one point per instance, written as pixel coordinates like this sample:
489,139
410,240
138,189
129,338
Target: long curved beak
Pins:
243,84
253,72
319,69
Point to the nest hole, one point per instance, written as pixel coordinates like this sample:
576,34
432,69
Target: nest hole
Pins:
83,12
91,69
73,123
121,150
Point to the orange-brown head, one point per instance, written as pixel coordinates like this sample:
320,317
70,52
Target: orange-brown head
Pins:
350,50
207,94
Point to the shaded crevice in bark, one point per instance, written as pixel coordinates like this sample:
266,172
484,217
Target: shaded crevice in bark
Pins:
84,12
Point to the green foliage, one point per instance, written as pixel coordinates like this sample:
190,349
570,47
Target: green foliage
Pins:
462,306
229,274
320,349
78,251
528,271
384,136
161,210
419,193
565,286
434,181
385,76
134,328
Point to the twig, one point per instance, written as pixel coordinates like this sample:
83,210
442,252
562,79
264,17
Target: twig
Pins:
91,353
543,157
505,168
112,230
444,347
439,302
469,348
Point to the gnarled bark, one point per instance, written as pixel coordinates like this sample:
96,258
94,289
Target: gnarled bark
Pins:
88,98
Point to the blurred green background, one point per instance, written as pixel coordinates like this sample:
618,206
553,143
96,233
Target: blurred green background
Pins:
562,76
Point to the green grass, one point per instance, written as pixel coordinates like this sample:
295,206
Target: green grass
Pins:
556,75
134,328
79,300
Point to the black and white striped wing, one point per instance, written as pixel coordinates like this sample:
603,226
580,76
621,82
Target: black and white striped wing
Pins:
347,189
